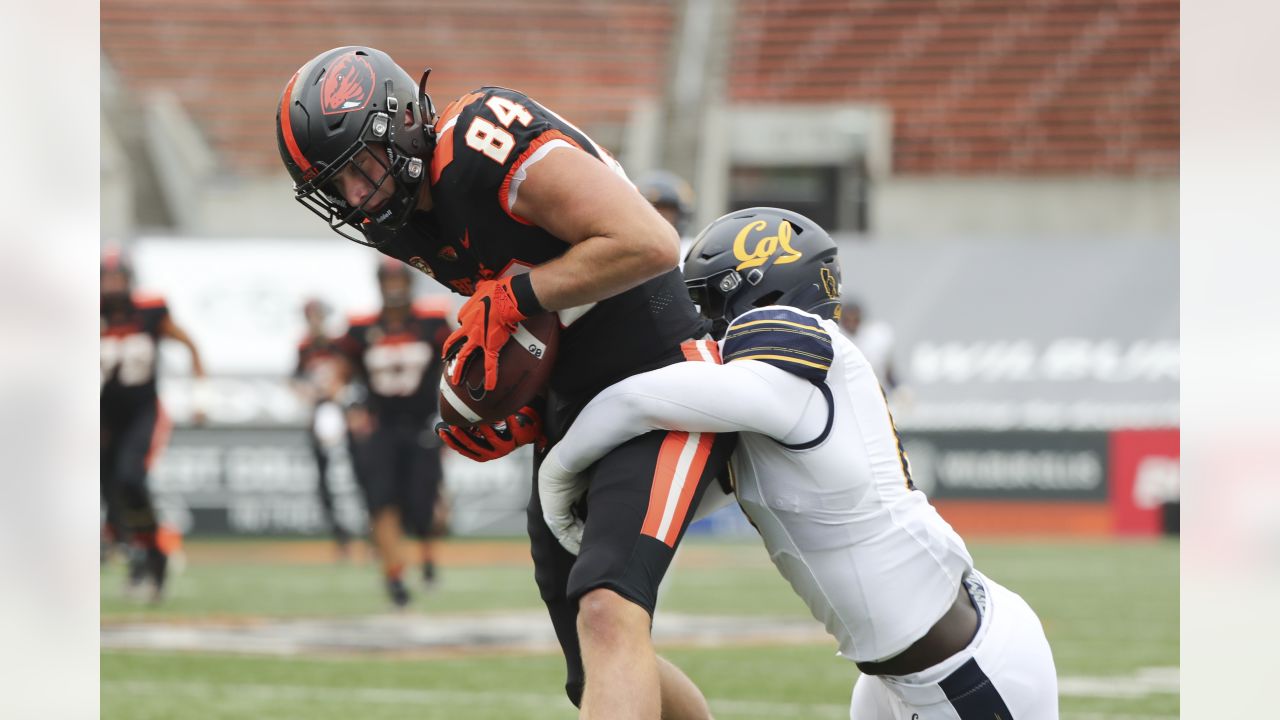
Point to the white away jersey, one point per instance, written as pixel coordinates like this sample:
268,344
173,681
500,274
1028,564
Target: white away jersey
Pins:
871,558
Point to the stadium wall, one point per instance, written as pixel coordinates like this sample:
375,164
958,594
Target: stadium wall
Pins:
261,481
1040,395
1027,209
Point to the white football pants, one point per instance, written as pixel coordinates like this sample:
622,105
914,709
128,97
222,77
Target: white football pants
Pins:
1005,673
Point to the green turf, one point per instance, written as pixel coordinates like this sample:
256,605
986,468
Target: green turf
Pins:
1109,609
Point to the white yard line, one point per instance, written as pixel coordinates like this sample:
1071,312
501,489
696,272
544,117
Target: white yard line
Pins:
1144,682
398,696
1147,681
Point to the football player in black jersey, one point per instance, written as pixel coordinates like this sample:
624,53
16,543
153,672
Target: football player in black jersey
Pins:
134,428
503,200
396,354
318,380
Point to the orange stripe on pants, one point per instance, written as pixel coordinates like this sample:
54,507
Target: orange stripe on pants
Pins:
674,484
701,351
690,487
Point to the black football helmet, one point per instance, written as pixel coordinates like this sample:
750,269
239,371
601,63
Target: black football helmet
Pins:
664,188
343,101
115,280
762,256
114,261
398,294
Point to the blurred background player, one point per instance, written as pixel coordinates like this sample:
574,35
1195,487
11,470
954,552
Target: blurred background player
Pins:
396,354
873,338
670,195
318,380
133,426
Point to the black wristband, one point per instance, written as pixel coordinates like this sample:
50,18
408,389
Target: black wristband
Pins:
526,302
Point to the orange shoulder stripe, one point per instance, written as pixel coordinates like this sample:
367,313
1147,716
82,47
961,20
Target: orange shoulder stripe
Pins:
147,302
443,154
505,189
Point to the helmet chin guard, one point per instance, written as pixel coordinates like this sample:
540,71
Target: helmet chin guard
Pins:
345,102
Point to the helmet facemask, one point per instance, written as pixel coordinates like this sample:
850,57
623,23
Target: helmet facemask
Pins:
321,196
332,113
712,295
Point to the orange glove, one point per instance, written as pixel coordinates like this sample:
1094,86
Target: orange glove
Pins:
485,322
492,441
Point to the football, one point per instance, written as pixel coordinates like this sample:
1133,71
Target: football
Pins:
524,367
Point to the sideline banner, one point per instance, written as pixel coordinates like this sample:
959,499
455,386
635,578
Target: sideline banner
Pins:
261,480
1144,479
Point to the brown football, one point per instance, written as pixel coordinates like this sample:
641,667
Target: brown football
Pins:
524,367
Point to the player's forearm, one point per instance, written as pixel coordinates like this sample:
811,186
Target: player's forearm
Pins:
172,330
601,267
688,397
197,365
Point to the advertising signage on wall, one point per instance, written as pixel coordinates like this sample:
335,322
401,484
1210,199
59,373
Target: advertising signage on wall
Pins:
261,481
1014,465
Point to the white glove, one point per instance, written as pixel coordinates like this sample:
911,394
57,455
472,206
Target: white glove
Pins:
558,490
330,426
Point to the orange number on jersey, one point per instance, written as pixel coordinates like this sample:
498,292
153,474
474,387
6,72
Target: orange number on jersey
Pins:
490,139
508,111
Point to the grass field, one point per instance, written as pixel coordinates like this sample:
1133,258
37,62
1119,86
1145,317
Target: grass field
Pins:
1110,611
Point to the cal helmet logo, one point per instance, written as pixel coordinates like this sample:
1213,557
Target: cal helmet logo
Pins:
347,85
765,247
832,289
829,284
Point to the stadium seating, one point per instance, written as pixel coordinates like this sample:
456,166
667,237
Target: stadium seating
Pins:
227,63
981,86
976,86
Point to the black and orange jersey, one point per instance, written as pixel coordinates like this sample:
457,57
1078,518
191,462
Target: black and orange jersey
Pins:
320,360
130,340
487,139
399,361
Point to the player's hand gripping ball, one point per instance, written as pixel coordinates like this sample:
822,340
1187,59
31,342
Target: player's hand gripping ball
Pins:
521,368
485,322
491,441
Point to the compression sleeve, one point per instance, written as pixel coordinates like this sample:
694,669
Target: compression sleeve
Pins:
743,396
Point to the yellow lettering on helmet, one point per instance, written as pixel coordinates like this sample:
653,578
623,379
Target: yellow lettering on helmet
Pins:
765,247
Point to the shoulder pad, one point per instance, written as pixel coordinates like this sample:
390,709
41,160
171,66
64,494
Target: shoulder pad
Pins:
145,301
784,337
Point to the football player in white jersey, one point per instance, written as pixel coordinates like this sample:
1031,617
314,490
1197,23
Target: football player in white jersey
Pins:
820,471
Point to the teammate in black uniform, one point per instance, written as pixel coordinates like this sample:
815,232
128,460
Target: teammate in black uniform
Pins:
501,199
396,354
318,380
133,426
